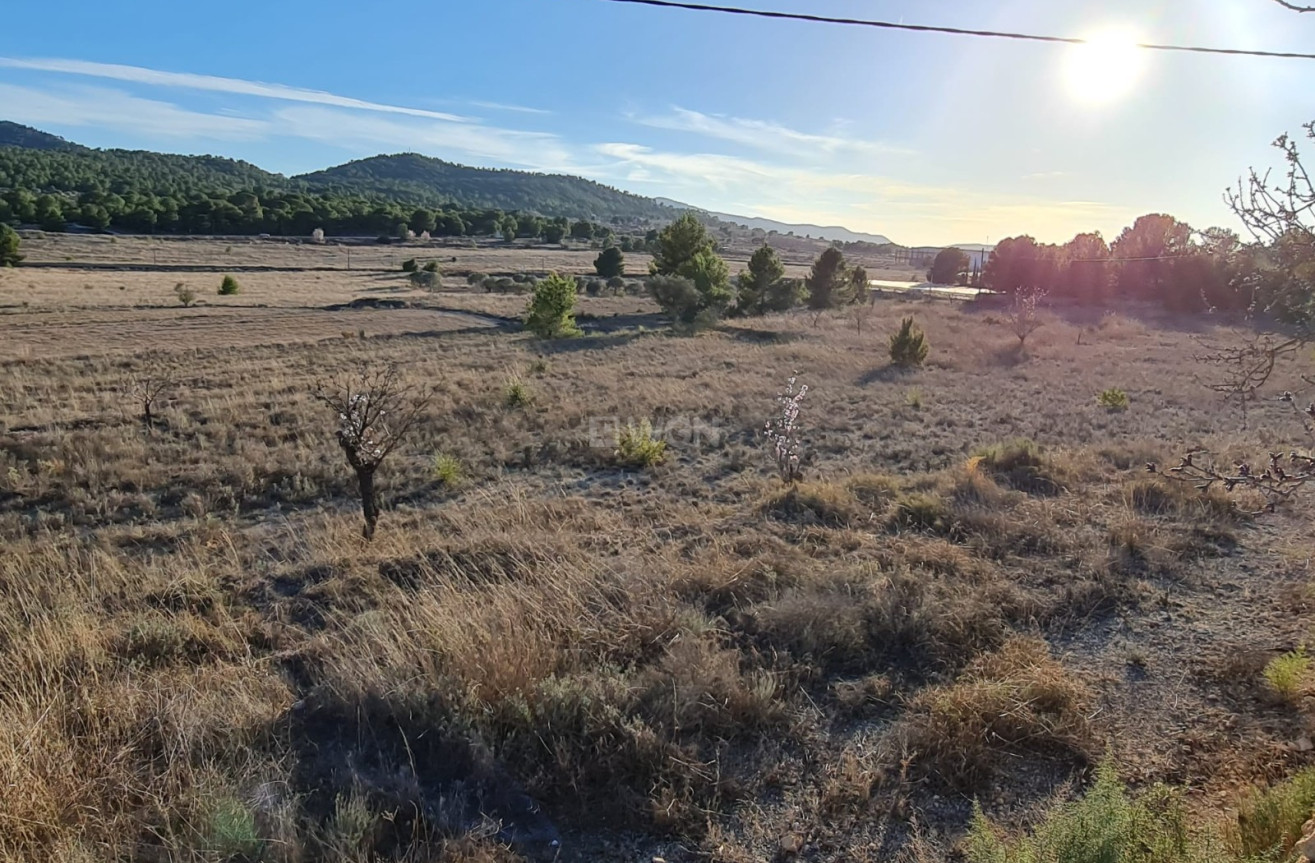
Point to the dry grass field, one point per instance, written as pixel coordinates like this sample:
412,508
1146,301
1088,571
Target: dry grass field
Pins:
545,653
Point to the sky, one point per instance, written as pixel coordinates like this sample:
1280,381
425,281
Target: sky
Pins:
928,139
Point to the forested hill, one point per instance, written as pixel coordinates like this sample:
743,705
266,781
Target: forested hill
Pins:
48,181
14,135
417,179
80,169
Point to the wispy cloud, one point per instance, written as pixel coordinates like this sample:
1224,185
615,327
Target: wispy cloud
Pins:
515,109
213,83
800,176
764,135
472,141
114,109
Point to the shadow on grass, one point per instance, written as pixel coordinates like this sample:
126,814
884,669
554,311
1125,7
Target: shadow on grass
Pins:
885,374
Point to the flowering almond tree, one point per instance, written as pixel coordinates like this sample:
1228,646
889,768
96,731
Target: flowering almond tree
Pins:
783,431
374,410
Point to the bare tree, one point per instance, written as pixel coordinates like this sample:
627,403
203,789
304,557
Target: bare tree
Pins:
1022,317
375,410
859,314
146,388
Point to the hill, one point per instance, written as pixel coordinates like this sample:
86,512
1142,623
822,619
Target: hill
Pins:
17,135
426,181
832,233
142,190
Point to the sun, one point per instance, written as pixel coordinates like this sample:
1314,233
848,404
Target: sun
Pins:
1105,68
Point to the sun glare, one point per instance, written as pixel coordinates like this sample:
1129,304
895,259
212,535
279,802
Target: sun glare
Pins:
1105,68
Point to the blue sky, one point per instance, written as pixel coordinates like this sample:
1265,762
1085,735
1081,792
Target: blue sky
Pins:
928,139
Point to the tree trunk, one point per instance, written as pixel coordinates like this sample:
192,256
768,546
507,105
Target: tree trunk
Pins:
369,500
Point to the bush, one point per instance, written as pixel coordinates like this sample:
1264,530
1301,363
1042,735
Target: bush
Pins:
1016,701
431,267
448,470
610,263
551,312
1019,464
229,286
1113,399
1104,826
409,266
185,294
1269,822
909,346
9,243
1287,673
636,447
427,279
516,393
691,283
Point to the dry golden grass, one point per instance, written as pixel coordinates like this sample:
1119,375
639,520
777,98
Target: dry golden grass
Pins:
203,659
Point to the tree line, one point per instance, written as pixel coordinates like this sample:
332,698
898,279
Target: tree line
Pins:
1159,259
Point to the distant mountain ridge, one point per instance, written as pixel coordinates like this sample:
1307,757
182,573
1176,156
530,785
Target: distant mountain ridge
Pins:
403,178
427,181
833,233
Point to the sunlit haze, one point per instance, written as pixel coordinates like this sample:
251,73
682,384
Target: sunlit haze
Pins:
1106,68
928,139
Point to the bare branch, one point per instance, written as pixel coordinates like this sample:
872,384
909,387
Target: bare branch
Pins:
1294,7
1282,478
1247,368
1271,210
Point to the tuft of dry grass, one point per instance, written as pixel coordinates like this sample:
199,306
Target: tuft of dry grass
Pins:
1015,701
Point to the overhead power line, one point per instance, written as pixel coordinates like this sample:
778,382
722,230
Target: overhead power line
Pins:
955,31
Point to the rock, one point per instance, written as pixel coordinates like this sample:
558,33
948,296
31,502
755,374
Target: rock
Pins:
791,844
1303,744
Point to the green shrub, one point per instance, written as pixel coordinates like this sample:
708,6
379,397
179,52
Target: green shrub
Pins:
517,393
409,266
431,267
610,263
9,243
1113,399
636,446
1287,673
913,398
229,286
232,831
908,347
1104,826
1269,822
427,279
551,312
448,470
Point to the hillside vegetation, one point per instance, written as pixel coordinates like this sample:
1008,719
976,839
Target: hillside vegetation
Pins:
417,179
